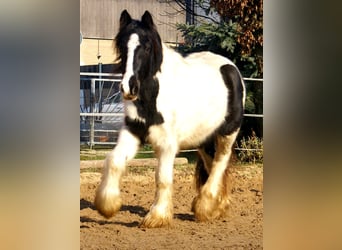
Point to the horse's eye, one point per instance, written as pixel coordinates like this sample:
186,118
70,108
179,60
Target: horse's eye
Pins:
147,49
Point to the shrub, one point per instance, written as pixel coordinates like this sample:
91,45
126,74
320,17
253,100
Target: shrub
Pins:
251,150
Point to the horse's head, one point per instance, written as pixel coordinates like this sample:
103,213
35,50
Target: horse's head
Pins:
139,48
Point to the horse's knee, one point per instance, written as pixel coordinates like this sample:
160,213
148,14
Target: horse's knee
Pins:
125,150
114,163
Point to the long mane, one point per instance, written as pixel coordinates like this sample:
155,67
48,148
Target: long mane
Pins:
149,35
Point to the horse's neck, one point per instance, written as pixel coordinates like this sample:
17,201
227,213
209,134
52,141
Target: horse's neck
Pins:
167,51
170,58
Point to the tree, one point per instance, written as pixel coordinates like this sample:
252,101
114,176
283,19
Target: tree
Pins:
248,14
239,34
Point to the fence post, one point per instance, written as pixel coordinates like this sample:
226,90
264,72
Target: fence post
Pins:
92,110
100,89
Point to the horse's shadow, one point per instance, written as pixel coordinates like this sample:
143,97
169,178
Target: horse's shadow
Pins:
185,217
86,204
106,222
138,210
132,209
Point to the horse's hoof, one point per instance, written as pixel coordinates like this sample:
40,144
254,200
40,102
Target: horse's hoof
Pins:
151,220
208,208
106,205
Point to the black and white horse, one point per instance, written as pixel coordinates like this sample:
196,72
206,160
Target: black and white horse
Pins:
173,102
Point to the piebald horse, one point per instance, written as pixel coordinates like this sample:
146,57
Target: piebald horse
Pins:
173,103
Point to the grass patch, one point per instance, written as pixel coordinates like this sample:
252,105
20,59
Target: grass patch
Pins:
144,155
90,170
191,156
92,157
146,151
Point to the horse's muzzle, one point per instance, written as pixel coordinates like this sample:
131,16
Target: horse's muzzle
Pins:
129,97
131,92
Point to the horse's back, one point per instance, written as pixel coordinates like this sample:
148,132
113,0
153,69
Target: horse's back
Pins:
207,58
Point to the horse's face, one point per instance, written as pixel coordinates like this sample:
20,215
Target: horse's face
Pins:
139,48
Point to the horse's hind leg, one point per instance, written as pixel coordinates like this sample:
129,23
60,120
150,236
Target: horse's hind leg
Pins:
204,163
107,199
213,199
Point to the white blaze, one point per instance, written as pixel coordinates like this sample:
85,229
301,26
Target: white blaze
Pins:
132,44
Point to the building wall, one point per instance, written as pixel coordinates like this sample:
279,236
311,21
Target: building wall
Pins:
100,18
90,48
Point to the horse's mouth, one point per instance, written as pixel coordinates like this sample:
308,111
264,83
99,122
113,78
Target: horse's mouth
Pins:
129,97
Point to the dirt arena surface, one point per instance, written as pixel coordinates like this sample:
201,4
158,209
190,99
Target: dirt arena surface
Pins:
242,229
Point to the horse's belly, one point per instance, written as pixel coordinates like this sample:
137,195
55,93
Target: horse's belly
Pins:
193,140
186,133
194,132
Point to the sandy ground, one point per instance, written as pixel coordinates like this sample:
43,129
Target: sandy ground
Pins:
242,229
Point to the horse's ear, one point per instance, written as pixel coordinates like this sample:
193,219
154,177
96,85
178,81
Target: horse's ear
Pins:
125,19
147,20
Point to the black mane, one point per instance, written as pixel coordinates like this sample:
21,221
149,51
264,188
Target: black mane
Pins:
149,40
148,57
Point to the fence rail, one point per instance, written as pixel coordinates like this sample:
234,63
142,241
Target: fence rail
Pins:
101,109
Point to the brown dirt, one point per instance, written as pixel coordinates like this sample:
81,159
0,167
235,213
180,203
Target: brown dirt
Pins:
241,230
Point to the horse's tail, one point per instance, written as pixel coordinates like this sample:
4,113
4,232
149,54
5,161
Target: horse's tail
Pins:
201,174
236,99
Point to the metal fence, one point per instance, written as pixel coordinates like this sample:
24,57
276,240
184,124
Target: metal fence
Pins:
101,108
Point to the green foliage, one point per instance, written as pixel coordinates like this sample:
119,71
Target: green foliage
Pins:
248,14
208,36
249,104
219,38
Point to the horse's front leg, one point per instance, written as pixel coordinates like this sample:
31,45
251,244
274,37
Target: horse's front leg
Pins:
161,211
107,199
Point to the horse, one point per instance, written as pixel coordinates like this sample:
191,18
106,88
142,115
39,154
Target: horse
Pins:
173,102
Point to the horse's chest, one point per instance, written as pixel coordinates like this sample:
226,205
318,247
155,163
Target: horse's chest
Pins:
131,111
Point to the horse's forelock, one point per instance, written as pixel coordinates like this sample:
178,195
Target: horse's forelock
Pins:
120,43
147,32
